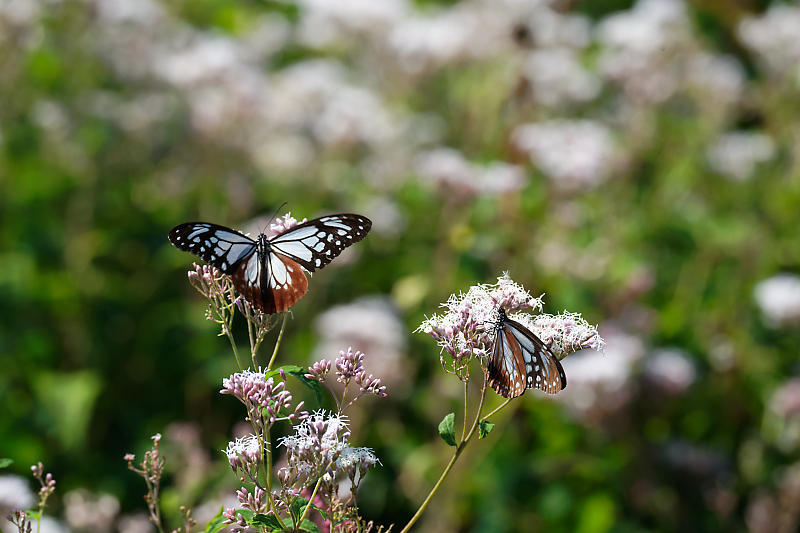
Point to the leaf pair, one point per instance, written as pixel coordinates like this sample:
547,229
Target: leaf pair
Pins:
448,433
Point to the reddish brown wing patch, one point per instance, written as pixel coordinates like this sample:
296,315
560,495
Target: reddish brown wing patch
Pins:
506,368
267,291
285,294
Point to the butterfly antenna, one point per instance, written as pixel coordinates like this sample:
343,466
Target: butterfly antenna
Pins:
273,216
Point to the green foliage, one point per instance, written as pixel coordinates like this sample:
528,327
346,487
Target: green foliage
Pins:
217,523
5,462
447,429
299,372
484,428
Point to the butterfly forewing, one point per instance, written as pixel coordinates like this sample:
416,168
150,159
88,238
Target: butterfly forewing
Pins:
217,245
520,360
317,242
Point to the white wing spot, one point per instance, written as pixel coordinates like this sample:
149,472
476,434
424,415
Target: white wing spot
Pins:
319,246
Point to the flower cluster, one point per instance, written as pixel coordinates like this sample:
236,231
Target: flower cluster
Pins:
266,401
244,456
563,334
349,369
320,450
150,469
282,224
465,330
314,448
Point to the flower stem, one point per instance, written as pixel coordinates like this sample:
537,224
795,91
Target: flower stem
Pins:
277,343
459,449
310,501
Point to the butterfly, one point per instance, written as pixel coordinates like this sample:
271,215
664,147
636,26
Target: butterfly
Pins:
268,272
520,360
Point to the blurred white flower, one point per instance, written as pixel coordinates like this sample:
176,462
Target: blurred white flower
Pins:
556,77
575,154
641,47
736,154
453,174
774,38
670,370
721,78
139,523
324,23
85,511
782,417
779,299
600,384
15,493
371,325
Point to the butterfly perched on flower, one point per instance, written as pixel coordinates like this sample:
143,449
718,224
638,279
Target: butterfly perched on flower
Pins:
520,360
268,271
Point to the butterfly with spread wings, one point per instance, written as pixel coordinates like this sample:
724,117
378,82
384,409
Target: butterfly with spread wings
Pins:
520,360
268,272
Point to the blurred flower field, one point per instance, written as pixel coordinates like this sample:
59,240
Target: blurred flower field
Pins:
637,162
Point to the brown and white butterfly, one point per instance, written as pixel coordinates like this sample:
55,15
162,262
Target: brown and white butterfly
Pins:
268,272
520,360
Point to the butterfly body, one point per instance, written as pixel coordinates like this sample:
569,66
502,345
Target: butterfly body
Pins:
520,361
268,271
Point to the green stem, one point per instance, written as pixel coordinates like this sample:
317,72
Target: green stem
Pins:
459,449
498,408
227,326
466,391
310,501
277,343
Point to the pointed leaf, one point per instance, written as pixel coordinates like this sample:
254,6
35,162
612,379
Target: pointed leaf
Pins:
217,523
447,429
299,372
267,520
485,428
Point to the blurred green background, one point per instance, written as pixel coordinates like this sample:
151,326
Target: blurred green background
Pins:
637,162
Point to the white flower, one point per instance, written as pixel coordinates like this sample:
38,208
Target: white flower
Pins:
774,37
563,334
371,325
248,447
779,299
14,494
575,154
449,170
85,511
735,155
671,370
600,383
556,77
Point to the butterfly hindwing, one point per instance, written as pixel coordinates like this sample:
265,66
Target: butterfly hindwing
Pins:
317,242
217,245
520,360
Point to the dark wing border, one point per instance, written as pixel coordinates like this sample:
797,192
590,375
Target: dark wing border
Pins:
358,227
542,348
204,248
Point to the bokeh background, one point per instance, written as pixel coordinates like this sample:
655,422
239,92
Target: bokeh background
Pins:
635,161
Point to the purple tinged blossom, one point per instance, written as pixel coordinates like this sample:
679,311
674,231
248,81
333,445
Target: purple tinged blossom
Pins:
261,394
466,328
349,369
244,456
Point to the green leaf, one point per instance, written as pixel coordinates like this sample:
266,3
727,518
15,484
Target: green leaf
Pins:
67,401
308,525
305,525
217,523
447,429
299,372
267,520
484,428
5,462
